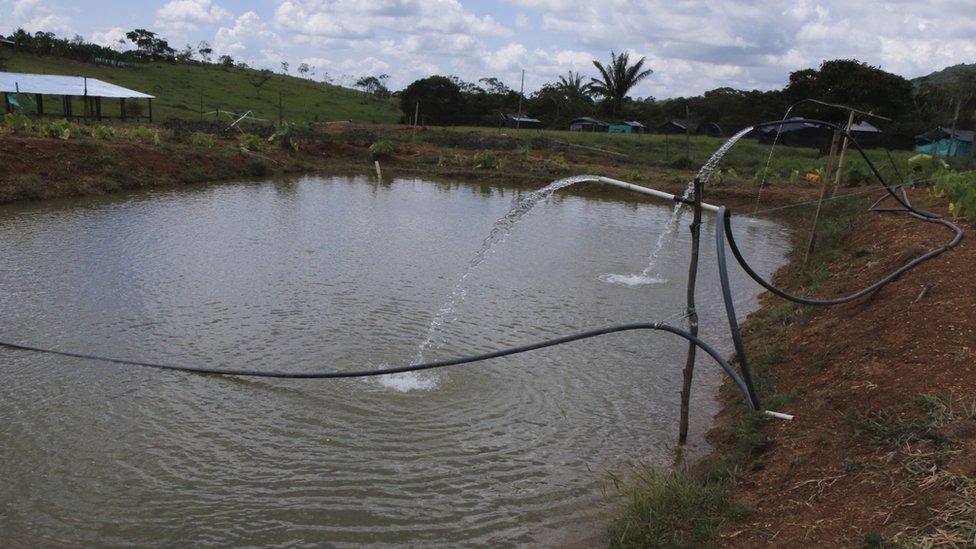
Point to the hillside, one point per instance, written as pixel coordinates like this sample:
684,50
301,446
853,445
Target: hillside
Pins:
956,73
180,90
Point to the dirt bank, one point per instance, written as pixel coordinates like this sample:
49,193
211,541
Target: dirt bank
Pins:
883,448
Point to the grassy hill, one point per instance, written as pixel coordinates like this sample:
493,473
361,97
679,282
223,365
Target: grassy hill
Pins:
949,75
180,89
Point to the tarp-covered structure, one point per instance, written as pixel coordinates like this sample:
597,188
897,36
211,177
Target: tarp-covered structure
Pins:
946,142
516,121
796,133
91,90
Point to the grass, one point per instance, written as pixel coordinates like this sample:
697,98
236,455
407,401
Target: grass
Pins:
671,509
180,89
913,440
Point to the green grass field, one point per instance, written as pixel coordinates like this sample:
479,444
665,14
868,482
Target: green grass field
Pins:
181,89
748,158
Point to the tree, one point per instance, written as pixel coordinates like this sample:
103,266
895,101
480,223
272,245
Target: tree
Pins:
572,86
374,85
617,78
226,61
303,70
259,78
149,44
852,83
185,55
495,86
284,67
204,50
440,100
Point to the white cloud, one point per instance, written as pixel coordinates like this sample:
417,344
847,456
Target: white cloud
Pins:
111,38
249,40
180,16
34,15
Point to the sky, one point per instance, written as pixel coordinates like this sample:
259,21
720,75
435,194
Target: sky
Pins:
692,45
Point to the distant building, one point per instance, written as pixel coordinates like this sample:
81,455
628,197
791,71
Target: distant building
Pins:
587,124
709,128
69,89
632,126
515,121
795,133
945,142
866,134
672,127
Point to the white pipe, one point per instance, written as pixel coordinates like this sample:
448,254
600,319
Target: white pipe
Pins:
647,191
778,415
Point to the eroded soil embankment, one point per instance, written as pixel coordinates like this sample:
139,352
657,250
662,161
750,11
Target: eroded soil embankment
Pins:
883,447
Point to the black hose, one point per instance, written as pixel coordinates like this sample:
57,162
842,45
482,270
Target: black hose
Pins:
745,388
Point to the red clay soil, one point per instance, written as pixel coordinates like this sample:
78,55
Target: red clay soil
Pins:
821,483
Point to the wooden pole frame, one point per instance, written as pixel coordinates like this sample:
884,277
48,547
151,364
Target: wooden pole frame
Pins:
689,370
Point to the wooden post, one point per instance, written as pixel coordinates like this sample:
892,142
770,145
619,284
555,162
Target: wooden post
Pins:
824,186
150,110
39,98
6,102
122,107
843,150
98,108
518,121
689,371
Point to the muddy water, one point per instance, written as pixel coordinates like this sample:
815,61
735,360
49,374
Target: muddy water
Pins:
336,273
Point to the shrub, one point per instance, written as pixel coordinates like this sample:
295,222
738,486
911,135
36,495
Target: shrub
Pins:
17,123
381,149
557,163
203,140
144,134
856,172
284,136
523,153
446,157
105,133
61,129
960,189
250,142
485,160
924,167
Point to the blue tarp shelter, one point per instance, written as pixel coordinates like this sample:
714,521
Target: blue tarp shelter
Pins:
945,142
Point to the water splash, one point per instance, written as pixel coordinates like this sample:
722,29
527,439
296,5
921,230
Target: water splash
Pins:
499,232
671,227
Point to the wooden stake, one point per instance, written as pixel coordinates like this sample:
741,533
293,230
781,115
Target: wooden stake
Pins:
689,371
843,151
824,185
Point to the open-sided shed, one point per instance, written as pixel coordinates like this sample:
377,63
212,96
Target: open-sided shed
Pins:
91,91
671,127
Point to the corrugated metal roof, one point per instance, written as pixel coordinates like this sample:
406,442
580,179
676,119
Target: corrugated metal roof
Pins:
865,127
51,84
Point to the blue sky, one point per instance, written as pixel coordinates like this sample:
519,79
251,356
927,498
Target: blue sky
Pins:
692,45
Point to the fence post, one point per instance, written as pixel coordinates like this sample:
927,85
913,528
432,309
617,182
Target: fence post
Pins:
689,371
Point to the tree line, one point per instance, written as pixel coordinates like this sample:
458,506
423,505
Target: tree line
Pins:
915,106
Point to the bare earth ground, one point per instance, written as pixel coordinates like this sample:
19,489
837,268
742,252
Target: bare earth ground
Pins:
869,459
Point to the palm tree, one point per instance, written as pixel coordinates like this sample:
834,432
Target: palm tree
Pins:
617,78
572,86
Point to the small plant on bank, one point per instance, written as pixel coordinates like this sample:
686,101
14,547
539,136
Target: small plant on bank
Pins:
250,142
446,157
960,189
381,149
522,153
144,134
485,160
202,140
284,137
105,133
62,129
17,123
557,163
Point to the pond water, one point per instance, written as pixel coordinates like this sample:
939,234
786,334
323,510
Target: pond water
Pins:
333,273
